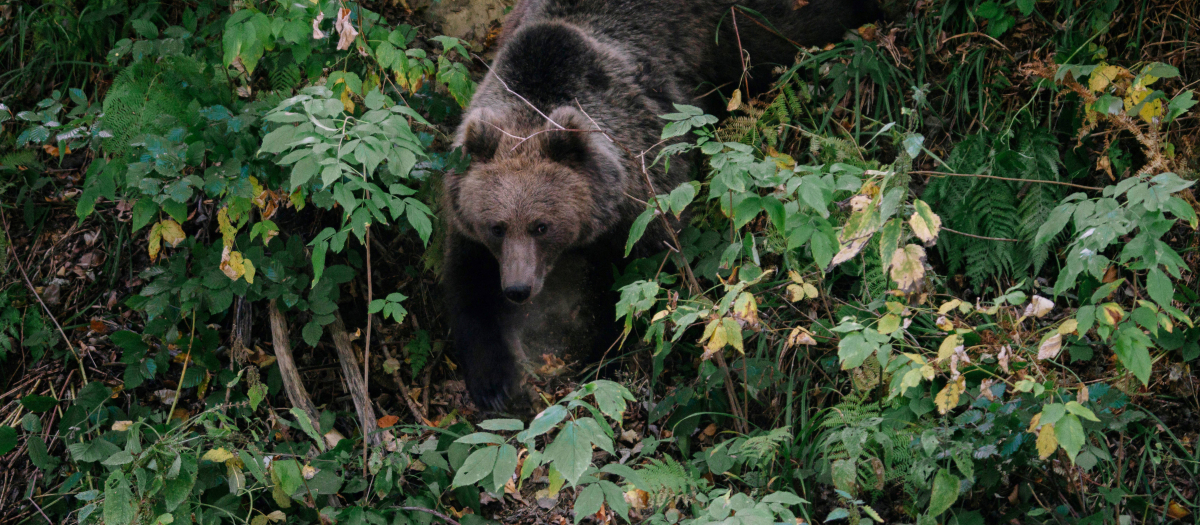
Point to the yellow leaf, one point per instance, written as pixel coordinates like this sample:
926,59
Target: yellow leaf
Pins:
800,336
925,231
660,316
249,270
1047,443
951,342
745,309
911,379
276,516
916,358
172,233
888,324
1033,423
217,455
735,101
121,426
155,241
795,293
716,342
948,397
948,306
1176,511
228,232
795,276
928,372
1150,110
810,291
231,264
1111,314
1070,326
1102,76
347,102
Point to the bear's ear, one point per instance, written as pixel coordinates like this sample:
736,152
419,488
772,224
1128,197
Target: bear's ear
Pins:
479,138
572,145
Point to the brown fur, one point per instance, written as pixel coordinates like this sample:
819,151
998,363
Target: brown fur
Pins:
576,87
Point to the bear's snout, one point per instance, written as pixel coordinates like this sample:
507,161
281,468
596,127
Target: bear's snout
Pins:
518,294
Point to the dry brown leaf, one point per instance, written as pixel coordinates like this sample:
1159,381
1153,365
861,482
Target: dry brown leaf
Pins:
1038,306
908,267
388,421
1050,348
345,29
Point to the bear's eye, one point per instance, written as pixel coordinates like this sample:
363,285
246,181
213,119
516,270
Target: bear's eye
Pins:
539,228
497,230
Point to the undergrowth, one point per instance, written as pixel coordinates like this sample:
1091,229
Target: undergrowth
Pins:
943,272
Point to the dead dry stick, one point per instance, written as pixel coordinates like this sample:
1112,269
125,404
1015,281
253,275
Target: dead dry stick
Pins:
287,365
356,384
32,290
413,407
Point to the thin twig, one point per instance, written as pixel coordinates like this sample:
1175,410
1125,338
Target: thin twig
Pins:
28,284
514,93
976,175
186,359
367,341
980,236
430,511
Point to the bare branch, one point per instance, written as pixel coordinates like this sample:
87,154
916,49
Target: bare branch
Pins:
514,93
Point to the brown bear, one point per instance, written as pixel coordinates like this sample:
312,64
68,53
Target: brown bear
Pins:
555,132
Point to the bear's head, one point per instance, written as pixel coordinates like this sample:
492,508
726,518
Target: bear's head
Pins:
535,189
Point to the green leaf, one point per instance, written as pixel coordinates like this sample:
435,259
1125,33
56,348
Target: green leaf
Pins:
589,501
144,28
306,425
375,99
1132,349
570,452
784,498
478,465
143,212
1075,408
502,424
682,196
257,394
8,439
94,450
38,454
1159,286
1069,431
854,349
118,500
506,466
120,458
1054,224
480,438
1180,105
945,493
277,141
38,404
845,474
639,228
611,398
92,395
312,333
889,240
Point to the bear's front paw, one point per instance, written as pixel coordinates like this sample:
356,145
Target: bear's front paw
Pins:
490,389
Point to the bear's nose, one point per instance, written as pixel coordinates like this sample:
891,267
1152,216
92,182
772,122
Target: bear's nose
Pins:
517,294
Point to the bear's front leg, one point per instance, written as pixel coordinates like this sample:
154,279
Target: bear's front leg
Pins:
472,280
